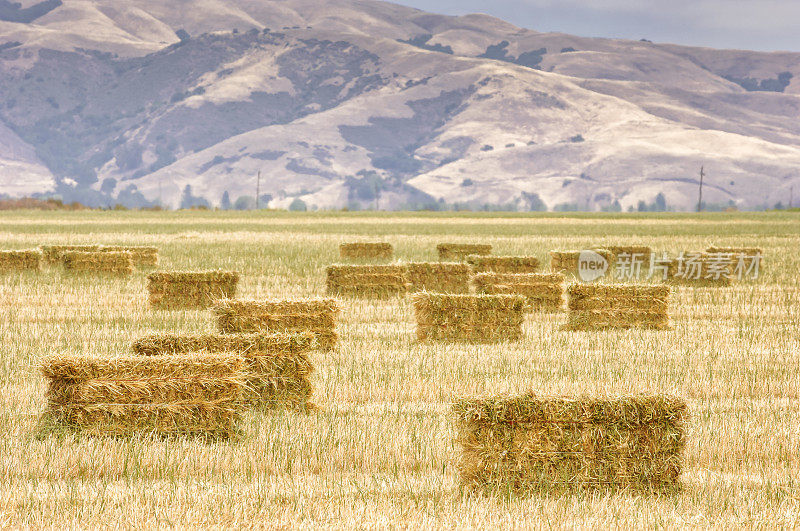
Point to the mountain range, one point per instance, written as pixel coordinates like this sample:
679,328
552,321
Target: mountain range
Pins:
366,104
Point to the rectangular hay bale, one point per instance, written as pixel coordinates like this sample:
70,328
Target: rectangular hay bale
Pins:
110,263
460,251
172,290
368,281
143,256
30,260
277,365
472,318
503,264
602,306
362,251
713,270
175,395
544,292
53,253
441,277
316,316
532,444
567,261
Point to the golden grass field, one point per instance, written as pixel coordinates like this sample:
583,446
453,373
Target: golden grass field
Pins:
379,453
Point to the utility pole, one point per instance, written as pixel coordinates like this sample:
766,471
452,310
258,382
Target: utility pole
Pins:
791,195
700,198
258,188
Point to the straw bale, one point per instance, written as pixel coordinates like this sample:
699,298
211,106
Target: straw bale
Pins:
473,318
53,253
441,277
317,316
110,263
532,444
143,256
503,264
278,366
171,290
600,306
460,251
642,252
701,273
359,251
20,261
542,291
370,281
567,261
184,394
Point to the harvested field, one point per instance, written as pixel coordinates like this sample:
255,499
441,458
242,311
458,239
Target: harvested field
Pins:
600,306
537,444
52,254
95,262
367,281
277,365
441,277
175,290
471,318
544,292
366,251
315,316
20,261
460,251
503,264
567,261
173,395
142,256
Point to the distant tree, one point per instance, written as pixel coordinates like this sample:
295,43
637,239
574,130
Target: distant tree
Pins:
467,182
245,202
577,138
225,202
188,200
660,204
183,35
298,205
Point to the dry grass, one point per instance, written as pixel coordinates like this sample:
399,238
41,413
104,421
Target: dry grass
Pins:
175,290
379,453
530,444
460,251
366,251
503,264
472,318
367,281
544,292
20,261
93,262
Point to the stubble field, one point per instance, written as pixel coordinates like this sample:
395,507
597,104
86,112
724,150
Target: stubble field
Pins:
379,452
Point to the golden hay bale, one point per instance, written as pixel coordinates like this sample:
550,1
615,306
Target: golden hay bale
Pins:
142,256
567,261
52,253
170,290
316,316
20,261
530,444
702,270
442,277
641,252
278,366
600,306
193,394
459,251
360,251
111,263
503,264
542,291
473,318
370,281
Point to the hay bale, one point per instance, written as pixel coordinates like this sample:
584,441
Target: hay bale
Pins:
600,306
110,263
362,251
173,395
750,256
20,261
368,281
441,277
532,444
641,252
698,269
52,254
171,290
460,251
503,264
544,292
473,318
315,316
567,261
277,365
143,256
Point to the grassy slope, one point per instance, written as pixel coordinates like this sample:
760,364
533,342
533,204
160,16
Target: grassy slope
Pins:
380,452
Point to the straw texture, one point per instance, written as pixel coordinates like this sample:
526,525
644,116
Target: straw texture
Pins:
471,318
441,277
702,270
503,264
20,261
97,262
544,292
362,251
142,256
567,261
532,444
172,290
367,281
460,251
52,253
600,306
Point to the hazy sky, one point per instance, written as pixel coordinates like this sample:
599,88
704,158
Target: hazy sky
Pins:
748,24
